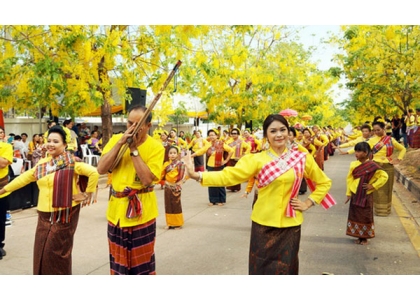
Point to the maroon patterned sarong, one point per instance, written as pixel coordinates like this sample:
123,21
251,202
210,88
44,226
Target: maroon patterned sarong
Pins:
360,219
274,251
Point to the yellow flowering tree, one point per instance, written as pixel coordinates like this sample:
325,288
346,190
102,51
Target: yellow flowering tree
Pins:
381,65
243,73
74,69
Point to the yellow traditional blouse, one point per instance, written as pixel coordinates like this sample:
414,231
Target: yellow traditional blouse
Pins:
124,175
197,144
172,176
380,156
310,147
321,140
6,151
211,159
179,142
245,147
378,180
355,135
352,142
272,202
46,183
31,147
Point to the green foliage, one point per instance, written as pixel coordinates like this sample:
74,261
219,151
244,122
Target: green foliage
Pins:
180,114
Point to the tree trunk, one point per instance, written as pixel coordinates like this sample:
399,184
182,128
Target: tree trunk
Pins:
106,118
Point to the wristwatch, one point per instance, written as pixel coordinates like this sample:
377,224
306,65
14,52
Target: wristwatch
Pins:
134,153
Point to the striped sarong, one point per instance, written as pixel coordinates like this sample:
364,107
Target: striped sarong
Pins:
414,141
132,249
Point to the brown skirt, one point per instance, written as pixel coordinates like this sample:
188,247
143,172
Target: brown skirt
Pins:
360,219
54,244
274,251
173,208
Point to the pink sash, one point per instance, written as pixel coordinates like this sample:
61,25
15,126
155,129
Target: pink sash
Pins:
275,168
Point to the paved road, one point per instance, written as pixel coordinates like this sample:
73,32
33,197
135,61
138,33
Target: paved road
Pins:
215,240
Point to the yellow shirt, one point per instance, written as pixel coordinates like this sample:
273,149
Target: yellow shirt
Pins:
310,147
301,148
31,147
6,151
352,142
351,151
172,176
378,180
380,156
409,120
46,183
321,140
197,144
180,143
124,175
257,142
355,135
245,148
211,159
272,202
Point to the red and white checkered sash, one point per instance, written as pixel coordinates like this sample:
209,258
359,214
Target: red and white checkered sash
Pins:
297,159
328,201
279,166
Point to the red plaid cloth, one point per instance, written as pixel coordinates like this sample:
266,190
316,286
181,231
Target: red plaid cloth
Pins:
328,201
296,160
134,208
277,167
273,169
384,141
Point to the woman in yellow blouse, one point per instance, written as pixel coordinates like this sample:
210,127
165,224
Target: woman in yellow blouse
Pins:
173,176
240,148
277,214
252,141
307,141
364,177
32,146
180,143
6,159
215,162
196,144
383,147
59,202
320,142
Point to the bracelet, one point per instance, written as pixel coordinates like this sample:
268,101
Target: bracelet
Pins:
312,200
200,178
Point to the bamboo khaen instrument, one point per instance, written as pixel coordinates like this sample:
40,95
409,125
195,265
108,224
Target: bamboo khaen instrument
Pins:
146,114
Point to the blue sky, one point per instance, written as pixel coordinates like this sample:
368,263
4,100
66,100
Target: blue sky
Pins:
312,35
